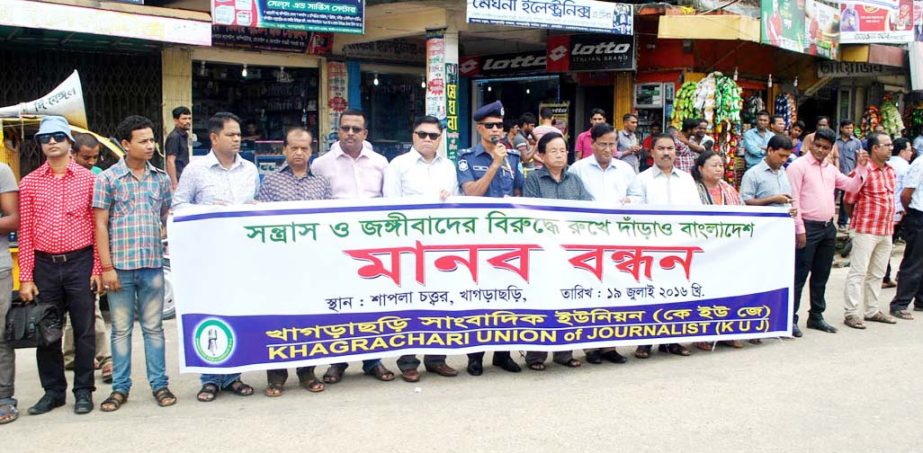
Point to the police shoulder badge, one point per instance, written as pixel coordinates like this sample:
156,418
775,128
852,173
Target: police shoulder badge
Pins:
463,164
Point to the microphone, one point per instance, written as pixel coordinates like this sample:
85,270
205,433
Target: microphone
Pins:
506,160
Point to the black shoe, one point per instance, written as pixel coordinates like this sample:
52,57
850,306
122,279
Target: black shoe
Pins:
614,357
475,367
820,324
507,363
46,404
84,404
796,332
594,357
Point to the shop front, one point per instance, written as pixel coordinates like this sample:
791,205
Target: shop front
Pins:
270,92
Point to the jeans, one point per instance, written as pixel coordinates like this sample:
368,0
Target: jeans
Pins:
7,353
910,273
66,284
142,289
870,255
223,381
816,259
841,219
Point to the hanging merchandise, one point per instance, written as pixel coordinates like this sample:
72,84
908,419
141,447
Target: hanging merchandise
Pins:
684,104
870,119
916,118
728,95
705,98
787,107
755,105
891,116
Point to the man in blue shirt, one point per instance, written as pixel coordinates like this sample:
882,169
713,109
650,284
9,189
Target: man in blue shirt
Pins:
490,170
756,139
766,183
848,146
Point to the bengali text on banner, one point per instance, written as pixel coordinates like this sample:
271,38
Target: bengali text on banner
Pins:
290,284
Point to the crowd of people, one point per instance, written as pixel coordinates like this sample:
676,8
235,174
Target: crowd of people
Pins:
81,232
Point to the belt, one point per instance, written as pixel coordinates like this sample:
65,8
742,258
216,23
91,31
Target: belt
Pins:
58,258
819,223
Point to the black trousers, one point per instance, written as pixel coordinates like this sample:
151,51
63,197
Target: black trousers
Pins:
278,377
65,282
910,274
498,355
816,259
894,237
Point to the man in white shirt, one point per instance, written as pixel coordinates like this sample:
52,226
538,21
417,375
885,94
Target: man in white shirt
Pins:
902,154
354,171
663,184
221,178
422,172
606,178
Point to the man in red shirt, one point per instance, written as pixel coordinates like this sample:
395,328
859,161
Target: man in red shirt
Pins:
57,259
584,146
873,219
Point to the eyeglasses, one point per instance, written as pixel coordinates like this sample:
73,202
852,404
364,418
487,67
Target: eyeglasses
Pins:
59,137
354,129
497,125
432,135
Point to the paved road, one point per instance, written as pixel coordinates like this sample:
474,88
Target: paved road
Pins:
852,391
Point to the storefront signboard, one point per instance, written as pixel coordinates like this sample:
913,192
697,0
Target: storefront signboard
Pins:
333,16
595,52
394,49
883,22
782,24
275,40
502,65
560,111
821,30
843,69
576,15
96,21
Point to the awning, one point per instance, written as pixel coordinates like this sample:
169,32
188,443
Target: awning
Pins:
873,53
122,20
721,27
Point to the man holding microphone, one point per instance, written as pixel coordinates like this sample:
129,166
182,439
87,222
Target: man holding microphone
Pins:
490,170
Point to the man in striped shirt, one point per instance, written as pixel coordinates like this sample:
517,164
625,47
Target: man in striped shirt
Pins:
873,219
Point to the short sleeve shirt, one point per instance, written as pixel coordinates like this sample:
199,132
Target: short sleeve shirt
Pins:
177,144
7,184
474,163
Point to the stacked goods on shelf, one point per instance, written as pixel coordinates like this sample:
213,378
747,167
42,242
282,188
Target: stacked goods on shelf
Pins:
916,118
705,98
755,105
729,99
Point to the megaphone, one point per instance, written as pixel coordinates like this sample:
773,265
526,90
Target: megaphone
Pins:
66,100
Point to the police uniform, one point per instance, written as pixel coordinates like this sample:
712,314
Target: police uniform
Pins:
472,165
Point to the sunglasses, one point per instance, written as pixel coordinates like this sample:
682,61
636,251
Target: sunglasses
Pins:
497,125
354,129
59,137
432,135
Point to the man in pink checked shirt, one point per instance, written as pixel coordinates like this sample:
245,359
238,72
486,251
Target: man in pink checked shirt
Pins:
585,140
813,181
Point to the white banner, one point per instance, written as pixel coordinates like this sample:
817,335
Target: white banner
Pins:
577,15
291,284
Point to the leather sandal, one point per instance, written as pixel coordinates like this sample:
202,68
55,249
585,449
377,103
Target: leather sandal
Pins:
854,322
208,393
643,352
334,374
164,397
572,363
381,373
114,402
273,390
411,375
240,389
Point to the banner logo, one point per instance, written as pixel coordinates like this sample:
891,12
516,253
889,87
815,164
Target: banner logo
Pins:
214,341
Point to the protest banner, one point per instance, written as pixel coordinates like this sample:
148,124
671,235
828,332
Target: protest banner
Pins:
306,283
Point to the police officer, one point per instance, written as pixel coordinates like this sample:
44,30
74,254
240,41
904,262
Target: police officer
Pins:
490,170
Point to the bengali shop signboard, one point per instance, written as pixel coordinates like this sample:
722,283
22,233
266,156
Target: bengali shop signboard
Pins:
333,16
577,15
286,284
877,21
